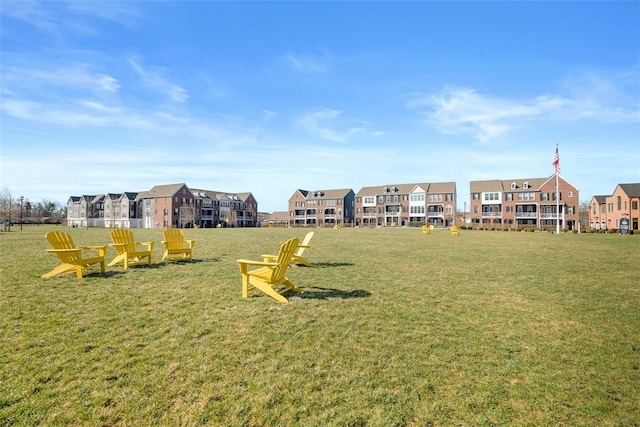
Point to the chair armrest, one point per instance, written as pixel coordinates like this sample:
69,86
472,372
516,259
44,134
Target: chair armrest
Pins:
269,258
258,263
53,251
149,245
102,250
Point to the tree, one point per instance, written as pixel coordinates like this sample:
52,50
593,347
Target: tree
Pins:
6,207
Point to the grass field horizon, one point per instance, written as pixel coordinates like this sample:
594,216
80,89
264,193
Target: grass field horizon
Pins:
394,328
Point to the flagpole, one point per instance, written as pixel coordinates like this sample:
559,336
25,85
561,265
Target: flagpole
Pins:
557,206
556,164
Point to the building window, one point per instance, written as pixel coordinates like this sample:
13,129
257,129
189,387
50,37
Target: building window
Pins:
449,197
619,202
513,185
544,197
527,196
569,193
475,209
634,205
476,196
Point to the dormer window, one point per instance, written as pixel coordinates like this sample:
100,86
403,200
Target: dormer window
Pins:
513,185
525,185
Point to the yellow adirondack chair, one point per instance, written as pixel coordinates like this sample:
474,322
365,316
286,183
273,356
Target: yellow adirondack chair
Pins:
129,251
297,257
176,247
428,229
71,256
270,277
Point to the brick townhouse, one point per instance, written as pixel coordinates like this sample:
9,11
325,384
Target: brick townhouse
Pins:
524,203
164,206
405,204
606,212
321,208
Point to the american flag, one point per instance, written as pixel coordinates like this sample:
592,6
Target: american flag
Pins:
556,161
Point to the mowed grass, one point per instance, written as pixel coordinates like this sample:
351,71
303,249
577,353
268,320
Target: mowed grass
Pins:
395,328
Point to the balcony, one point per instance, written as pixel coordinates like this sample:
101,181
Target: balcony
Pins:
491,214
550,215
520,215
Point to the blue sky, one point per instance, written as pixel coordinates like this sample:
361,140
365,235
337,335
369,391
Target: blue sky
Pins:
269,97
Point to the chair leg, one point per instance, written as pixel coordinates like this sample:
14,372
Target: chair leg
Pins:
62,268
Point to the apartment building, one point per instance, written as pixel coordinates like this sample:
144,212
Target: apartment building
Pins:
404,204
608,212
524,203
321,208
164,206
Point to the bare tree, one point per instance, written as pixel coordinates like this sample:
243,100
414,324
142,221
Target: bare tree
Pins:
5,208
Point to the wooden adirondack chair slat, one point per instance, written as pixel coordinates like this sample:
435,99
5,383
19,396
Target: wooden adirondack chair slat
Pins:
73,258
269,277
176,247
129,251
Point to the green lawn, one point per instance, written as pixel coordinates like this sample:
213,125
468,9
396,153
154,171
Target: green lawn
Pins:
395,328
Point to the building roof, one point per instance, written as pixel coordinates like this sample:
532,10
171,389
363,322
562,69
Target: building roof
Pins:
166,190
601,199
431,188
631,190
327,194
501,185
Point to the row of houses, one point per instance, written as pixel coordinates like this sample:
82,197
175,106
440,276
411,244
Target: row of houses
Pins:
164,206
616,211
532,203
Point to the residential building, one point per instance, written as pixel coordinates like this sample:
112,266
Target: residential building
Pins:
524,203
164,206
404,204
85,211
321,208
606,212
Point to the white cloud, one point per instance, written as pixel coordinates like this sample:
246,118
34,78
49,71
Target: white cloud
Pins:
153,79
463,110
331,125
460,110
308,64
74,76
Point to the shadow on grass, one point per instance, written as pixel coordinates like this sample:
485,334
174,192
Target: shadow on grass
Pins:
329,264
315,292
115,271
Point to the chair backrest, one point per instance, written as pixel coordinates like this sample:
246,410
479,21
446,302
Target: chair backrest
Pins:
124,239
173,238
284,258
305,242
62,240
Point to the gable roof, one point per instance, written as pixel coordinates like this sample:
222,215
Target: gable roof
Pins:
327,194
392,189
601,199
167,190
631,190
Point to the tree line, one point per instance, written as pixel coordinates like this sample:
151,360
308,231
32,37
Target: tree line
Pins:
13,211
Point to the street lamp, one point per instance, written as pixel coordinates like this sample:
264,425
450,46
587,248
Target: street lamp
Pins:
21,200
